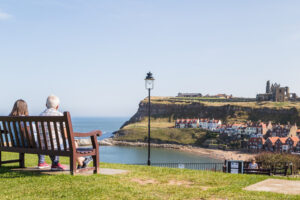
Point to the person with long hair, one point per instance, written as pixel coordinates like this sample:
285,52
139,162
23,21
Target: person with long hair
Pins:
20,108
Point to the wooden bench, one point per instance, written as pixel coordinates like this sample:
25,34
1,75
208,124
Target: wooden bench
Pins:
257,171
46,135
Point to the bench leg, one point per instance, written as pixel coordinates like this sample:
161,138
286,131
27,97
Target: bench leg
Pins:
72,165
22,160
96,161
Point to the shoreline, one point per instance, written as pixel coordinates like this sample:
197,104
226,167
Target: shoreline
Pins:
211,153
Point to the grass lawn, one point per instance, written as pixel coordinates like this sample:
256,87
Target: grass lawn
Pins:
163,183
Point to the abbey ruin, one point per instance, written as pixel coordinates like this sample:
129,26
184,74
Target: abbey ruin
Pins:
275,92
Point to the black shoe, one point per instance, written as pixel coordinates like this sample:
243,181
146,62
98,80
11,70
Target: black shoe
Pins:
87,161
79,167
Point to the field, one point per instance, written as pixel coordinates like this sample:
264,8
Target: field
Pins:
141,182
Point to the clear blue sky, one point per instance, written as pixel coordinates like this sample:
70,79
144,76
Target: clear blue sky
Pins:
95,54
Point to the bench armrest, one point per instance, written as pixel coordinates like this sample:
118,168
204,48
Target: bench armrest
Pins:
92,133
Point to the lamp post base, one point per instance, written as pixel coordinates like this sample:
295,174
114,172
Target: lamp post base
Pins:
148,163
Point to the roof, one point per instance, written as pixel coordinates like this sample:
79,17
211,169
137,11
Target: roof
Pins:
295,138
283,139
273,139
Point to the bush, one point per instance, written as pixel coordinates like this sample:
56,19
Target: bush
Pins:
269,160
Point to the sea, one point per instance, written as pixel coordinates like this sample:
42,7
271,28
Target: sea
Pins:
132,155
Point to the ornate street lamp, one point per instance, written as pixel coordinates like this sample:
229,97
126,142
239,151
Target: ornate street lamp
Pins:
149,84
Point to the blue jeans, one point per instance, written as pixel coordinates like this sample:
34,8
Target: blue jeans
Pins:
54,159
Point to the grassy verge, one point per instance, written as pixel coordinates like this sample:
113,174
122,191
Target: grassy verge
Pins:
141,182
160,133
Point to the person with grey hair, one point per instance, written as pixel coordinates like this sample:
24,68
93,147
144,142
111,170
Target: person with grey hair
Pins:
52,105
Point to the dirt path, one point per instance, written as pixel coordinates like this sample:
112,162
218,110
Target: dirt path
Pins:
276,185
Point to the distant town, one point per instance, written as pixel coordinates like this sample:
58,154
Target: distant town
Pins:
255,137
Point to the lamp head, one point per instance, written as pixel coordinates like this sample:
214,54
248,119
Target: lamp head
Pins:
149,81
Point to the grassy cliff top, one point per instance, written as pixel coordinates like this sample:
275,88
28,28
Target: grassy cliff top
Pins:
222,102
142,182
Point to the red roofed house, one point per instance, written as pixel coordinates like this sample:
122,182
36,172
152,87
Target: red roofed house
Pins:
182,123
256,144
270,143
297,147
203,123
213,124
188,123
280,145
194,123
177,123
292,143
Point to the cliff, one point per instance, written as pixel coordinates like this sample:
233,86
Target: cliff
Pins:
171,108
164,110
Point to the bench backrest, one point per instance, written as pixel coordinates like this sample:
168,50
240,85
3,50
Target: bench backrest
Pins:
40,133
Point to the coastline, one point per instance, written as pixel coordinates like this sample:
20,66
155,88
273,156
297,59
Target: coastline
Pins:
212,153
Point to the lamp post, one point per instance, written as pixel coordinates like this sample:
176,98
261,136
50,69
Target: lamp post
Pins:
149,84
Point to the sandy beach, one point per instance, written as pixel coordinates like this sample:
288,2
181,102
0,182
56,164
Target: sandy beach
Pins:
212,153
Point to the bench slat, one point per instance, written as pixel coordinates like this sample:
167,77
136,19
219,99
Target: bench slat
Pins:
33,118
23,139
50,135
44,135
16,135
6,137
1,135
27,134
62,131
38,134
10,134
32,135
36,151
57,136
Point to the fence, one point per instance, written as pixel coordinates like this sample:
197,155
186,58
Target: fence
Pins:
197,166
278,169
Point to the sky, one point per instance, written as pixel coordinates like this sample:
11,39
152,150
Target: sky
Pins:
94,55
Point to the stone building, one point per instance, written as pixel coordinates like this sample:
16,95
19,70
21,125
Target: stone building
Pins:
189,94
275,92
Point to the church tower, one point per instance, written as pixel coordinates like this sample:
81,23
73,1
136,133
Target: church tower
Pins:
268,89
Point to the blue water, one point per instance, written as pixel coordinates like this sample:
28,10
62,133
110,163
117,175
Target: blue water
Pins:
131,155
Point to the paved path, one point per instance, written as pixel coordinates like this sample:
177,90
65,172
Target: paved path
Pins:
104,171
276,185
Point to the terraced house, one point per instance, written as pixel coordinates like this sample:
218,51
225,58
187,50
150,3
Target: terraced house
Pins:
275,144
208,124
284,130
256,144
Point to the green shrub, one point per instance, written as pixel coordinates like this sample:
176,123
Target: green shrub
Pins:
269,160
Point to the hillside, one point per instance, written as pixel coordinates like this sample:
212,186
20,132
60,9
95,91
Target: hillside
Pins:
171,108
165,110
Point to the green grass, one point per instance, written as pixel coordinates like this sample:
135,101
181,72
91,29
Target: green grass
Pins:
160,133
202,184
